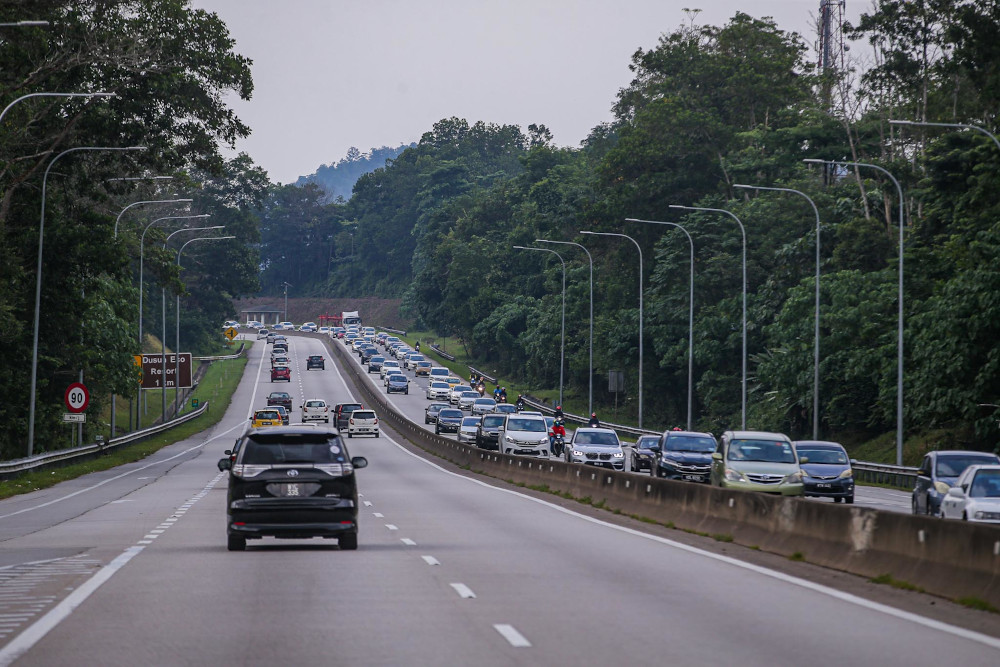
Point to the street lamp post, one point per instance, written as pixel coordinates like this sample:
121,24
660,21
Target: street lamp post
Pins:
690,311
153,201
625,236
962,126
562,347
816,318
38,275
591,259
163,340
286,286
177,339
743,231
29,95
899,333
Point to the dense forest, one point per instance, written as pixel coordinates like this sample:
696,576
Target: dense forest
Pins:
170,68
710,107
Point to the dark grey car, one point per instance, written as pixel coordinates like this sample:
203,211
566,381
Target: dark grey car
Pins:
432,410
449,419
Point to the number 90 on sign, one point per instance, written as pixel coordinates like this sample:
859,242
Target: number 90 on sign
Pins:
77,397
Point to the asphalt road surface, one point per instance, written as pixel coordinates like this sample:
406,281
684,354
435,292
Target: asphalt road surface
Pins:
130,567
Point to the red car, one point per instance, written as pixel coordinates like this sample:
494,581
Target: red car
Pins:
281,373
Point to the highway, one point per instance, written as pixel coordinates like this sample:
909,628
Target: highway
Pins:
130,566
413,404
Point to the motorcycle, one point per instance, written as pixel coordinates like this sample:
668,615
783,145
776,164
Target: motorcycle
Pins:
481,388
558,445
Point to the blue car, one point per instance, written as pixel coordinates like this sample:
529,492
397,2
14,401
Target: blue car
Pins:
398,383
827,473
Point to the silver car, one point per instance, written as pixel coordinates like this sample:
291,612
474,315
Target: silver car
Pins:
597,447
467,431
483,406
467,399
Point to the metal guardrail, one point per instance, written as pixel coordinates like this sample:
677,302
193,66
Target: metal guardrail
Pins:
18,466
545,409
441,352
901,477
395,331
483,375
239,353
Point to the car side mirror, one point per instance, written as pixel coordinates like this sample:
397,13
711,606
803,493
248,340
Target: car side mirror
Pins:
716,456
228,452
854,462
225,464
956,492
359,462
803,460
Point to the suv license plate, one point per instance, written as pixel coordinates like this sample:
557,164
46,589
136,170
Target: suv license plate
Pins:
693,478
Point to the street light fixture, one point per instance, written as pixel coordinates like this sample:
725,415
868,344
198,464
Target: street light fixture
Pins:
163,340
29,95
899,334
38,274
591,373
816,323
963,126
177,339
690,310
562,348
743,231
625,236
154,201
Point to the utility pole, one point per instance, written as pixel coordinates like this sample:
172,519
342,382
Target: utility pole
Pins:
287,285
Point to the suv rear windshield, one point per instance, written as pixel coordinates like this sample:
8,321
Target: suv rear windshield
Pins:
315,404
263,449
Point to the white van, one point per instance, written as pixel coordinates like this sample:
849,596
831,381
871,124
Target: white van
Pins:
524,435
315,409
362,422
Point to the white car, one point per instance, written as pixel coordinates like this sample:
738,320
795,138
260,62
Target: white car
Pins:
230,323
308,326
325,330
525,434
975,496
388,365
456,393
467,431
437,391
315,409
439,373
362,422
467,399
483,406
410,361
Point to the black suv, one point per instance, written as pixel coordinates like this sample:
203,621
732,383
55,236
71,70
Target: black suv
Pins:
488,431
316,361
685,455
292,482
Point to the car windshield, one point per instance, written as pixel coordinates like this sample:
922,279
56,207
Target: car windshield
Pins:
279,394
597,438
392,363
434,407
823,455
485,401
293,448
647,441
397,378
451,413
768,451
954,465
690,443
986,484
530,425
470,421
439,385
377,359
492,422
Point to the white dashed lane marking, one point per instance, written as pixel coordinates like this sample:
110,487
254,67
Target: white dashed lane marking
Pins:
510,633
431,560
463,591
408,542
378,515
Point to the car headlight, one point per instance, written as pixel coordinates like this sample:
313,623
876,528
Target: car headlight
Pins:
942,488
510,438
980,515
618,455
794,478
577,452
847,473
543,442
667,462
734,476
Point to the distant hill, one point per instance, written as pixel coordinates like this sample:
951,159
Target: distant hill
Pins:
337,180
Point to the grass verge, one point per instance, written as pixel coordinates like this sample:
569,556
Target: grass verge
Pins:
217,387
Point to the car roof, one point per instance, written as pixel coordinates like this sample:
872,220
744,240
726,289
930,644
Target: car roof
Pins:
757,435
818,444
959,452
279,393
689,433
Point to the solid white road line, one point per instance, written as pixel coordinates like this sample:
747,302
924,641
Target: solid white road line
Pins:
463,591
431,560
511,634
33,634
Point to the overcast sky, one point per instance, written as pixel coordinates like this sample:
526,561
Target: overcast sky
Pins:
331,74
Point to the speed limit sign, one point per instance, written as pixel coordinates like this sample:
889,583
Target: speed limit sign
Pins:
77,397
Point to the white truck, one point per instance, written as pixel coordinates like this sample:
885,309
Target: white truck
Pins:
350,318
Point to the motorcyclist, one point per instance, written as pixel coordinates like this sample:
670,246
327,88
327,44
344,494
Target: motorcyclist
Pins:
503,394
520,402
558,431
496,394
594,421
558,413
417,346
481,388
